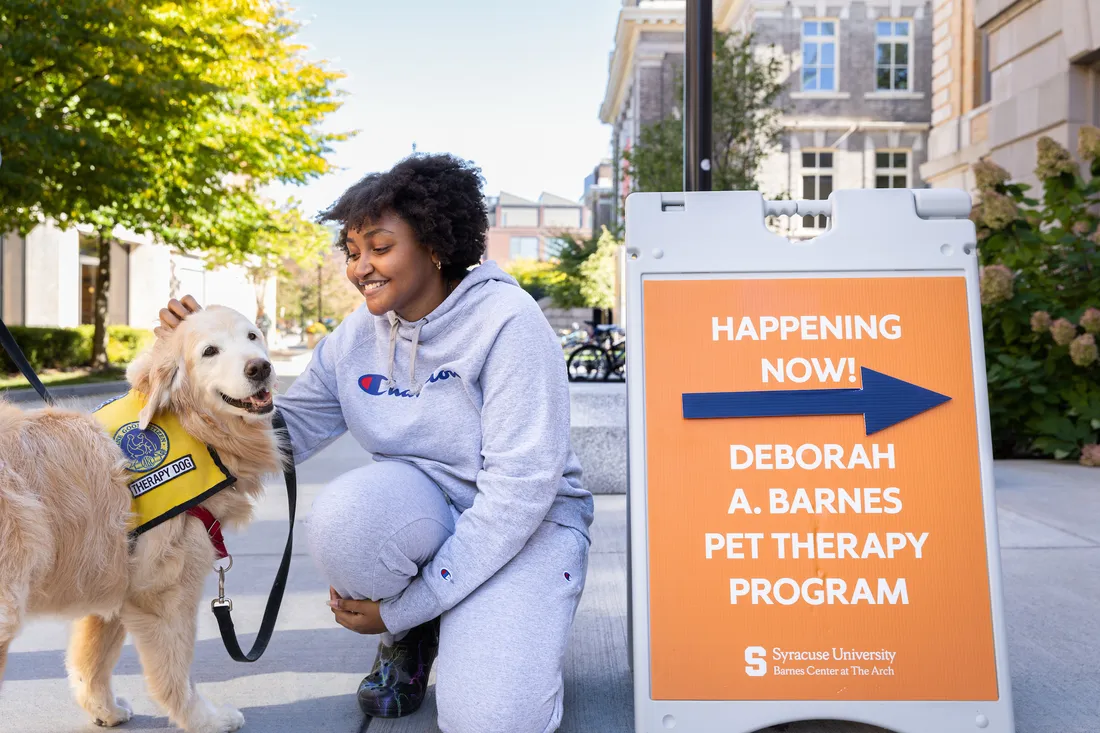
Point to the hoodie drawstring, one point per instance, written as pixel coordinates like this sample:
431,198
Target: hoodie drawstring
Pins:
394,325
412,358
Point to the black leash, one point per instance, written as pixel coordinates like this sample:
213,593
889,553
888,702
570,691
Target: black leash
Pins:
21,363
222,606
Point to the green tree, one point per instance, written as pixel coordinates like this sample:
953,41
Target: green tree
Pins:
537,278
302,282
597,273
79,79
290,240
744,127
186,113
565,291
585,271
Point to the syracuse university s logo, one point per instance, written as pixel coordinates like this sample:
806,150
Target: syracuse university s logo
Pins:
375,384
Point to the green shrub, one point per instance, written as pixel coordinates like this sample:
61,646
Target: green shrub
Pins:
537,278
124,343
1040,289
49,348
65,348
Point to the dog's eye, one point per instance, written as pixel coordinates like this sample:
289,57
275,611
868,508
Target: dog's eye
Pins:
251,335
210,351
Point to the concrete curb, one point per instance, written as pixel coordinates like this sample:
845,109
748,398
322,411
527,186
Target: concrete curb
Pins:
598,434
28,394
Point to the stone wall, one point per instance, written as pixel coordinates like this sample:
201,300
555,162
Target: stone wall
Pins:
563,318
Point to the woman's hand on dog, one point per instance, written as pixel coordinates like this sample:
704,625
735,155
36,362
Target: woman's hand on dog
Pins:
174,314
362,617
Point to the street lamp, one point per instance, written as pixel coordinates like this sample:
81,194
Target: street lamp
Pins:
697,95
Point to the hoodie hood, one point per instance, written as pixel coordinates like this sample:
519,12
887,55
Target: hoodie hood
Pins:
397,330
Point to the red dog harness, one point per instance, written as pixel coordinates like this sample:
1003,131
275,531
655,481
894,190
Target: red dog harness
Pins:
213,528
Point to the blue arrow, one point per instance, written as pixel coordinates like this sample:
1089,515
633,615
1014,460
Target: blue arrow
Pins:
883,401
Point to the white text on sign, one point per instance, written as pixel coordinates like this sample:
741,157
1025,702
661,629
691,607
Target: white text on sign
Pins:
808,328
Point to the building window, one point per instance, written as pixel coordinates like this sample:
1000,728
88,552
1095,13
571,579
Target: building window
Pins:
893,43
817,182
552,246
891,169
985,81
819,56
524,248
89,267
519,216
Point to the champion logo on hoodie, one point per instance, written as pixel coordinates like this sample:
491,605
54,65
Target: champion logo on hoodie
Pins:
375,384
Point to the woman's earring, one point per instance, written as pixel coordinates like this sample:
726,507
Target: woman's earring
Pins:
438,265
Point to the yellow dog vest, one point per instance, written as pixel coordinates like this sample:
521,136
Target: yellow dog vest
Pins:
172,471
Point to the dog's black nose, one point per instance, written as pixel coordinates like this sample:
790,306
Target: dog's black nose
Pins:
257,369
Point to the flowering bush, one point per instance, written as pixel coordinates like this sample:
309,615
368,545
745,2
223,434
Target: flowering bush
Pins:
1040,292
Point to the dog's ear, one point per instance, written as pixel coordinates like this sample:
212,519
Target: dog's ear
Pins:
155,374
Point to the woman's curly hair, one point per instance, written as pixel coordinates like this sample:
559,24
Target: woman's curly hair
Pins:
438,195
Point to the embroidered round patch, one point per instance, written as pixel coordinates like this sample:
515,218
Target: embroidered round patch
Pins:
567,576
144,449
445,573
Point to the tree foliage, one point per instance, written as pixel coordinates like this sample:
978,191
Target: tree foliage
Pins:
538,278
300,283
597,272
583,271
159,117
566,290
744,128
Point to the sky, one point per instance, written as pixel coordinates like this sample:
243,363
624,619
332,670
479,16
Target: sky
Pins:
513,85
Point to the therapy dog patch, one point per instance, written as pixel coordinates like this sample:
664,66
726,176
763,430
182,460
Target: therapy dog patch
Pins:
172,471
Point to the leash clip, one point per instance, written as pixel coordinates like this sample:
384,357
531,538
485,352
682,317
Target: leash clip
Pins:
221,601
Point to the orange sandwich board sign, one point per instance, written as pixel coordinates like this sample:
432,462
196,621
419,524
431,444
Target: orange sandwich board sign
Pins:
813,532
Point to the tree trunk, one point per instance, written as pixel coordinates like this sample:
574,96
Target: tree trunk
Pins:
102,288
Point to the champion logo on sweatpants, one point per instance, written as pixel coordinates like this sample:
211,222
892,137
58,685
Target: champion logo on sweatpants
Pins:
445,573
567,577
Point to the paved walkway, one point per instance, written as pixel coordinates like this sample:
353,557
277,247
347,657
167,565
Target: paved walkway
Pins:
1050,532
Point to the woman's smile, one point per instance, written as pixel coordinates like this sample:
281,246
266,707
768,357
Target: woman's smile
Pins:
372,286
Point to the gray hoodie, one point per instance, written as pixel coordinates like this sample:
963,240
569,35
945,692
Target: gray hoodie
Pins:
475,395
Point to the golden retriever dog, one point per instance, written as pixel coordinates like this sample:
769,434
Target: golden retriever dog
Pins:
65,508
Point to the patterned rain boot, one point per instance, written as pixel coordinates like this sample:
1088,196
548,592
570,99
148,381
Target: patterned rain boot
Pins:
397,682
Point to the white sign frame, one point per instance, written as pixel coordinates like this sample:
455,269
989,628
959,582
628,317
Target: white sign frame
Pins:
872,232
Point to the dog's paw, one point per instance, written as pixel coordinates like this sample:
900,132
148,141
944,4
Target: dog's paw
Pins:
231,719
119,714
225,719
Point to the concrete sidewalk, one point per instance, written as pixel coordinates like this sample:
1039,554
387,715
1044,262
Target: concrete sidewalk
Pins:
1050,535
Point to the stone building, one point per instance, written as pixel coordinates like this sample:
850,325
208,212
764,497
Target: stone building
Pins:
1007,72
47,278
599,196
857,94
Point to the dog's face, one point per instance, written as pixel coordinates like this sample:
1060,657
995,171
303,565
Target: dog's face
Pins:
214,362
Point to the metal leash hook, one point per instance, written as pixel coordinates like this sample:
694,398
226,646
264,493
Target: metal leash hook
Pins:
221,600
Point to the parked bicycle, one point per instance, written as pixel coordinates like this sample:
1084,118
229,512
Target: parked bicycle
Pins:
601,357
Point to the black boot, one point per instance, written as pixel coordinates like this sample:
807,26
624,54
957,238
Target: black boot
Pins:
397,682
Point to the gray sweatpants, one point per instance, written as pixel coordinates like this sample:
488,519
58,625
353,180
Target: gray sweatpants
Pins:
501,649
